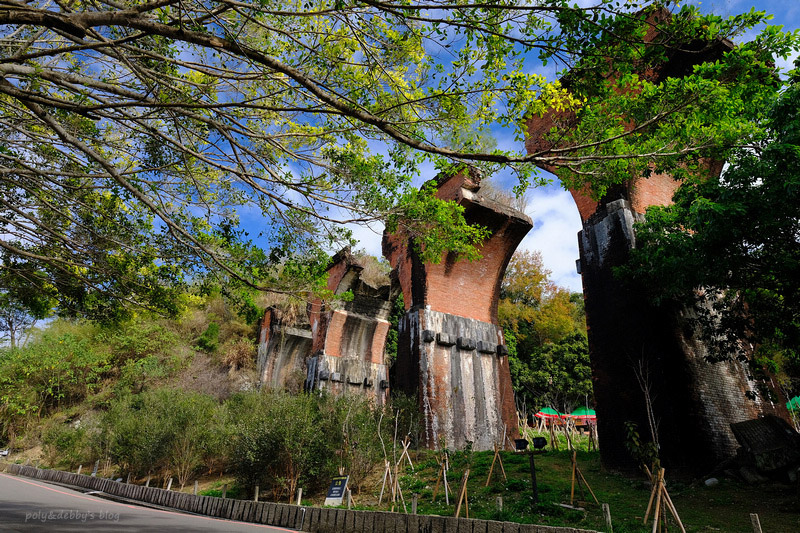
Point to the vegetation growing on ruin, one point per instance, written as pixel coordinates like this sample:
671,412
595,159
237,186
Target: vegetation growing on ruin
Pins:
737,239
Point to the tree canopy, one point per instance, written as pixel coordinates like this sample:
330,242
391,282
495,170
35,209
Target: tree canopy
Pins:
730,248
137,138
545,328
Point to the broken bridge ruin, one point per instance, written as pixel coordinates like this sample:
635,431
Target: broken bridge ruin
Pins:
451,352
643,357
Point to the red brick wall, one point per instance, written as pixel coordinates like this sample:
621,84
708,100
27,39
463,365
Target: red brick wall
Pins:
464,288
333,334
471,289
379,342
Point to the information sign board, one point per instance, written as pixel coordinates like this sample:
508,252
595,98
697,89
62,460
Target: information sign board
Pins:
336,491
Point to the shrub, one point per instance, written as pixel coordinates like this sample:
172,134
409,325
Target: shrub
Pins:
137,339
239,354
165,431
65,446
54,371
209,340
285,439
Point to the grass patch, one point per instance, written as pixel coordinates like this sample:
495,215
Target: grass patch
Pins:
725,507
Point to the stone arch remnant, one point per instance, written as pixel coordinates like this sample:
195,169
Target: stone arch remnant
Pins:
349,341
339,348
451,352
635,346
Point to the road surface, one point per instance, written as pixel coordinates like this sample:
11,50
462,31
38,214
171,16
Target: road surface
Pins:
32,505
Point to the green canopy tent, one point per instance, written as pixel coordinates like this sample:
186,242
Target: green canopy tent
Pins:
548,413
583,413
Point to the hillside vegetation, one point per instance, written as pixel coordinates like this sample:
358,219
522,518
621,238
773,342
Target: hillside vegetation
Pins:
158,399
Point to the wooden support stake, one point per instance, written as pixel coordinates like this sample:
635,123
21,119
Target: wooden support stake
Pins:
255,495
553,439
195,487
672,509
438,480
466,499
387,475
657,510
756,523
299,495
349,498
80,467
406,444
446,485
587,484
462,494
566,434
169,484
491,468
395,486
652,494
414,504
128,480
225,490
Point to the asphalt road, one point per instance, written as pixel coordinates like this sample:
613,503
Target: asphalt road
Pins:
32,505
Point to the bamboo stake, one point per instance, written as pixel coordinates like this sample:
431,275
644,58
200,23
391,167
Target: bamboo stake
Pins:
466,498
658,501
438,480
442,476
497,457
462,494
567,434
491,468
587,485
406,445
446,485
673,510
386,474
652,494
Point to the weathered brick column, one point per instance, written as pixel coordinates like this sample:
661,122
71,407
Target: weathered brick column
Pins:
282,351
693,401
451,351
349,341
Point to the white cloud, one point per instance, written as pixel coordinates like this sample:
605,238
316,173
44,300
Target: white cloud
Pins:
368,237
556,224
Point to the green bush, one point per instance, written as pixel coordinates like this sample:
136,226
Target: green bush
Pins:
52,372
143,337
163,431
66,446
284,439
209,340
